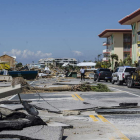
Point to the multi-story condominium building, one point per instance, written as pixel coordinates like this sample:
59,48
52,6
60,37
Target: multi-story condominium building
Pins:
118,41
134,20
57,61
46,61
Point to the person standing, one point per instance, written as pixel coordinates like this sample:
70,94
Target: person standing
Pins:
82,71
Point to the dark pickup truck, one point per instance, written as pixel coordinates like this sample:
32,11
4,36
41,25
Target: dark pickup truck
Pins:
103,74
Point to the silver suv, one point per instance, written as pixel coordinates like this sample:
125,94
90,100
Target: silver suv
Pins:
121,73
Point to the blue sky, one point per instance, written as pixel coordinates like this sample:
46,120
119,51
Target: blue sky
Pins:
35,29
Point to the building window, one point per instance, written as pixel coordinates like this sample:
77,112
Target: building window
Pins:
109,40
127,38
127,46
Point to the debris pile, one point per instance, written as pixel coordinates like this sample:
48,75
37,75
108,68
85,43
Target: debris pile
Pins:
50,85
14,120
22,81
19,80
12,123
82,87
22,126
87,87
58,72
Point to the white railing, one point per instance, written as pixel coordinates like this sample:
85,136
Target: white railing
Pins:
106,50
105,59
126,49
104,44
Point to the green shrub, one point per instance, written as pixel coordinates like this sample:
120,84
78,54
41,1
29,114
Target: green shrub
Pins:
100,88
87,87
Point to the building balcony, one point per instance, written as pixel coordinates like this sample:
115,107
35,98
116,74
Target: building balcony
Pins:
107,43
126,49
106,51
104,44
105,58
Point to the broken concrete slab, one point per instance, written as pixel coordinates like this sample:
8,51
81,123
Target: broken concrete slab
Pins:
43,96
59,124
12,102
70,112
38,132
68,83
59,106
47,116
19,124
118,111
5,84
63,80
5,111
10,139
106,95
14,115
70,105
110,102
15,137
12,106
13,124
8,91
128,104
45,106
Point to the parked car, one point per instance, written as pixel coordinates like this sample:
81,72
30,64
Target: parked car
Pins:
103,74
121,74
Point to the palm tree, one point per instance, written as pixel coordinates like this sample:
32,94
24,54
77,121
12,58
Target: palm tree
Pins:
99,56
114,57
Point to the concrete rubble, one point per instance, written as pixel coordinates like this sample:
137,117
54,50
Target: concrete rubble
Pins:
40,132
12,106
70,112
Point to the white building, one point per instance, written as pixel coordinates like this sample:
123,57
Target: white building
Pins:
46,61
57,61
88,65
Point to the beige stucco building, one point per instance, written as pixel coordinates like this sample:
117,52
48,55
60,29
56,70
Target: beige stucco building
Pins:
118,41
134,20
9,59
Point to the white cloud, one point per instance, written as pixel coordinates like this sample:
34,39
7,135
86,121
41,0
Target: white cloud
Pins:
25,54
78,53
13,52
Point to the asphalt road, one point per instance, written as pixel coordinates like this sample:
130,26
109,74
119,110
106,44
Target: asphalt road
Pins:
90,125
125,124
134,90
